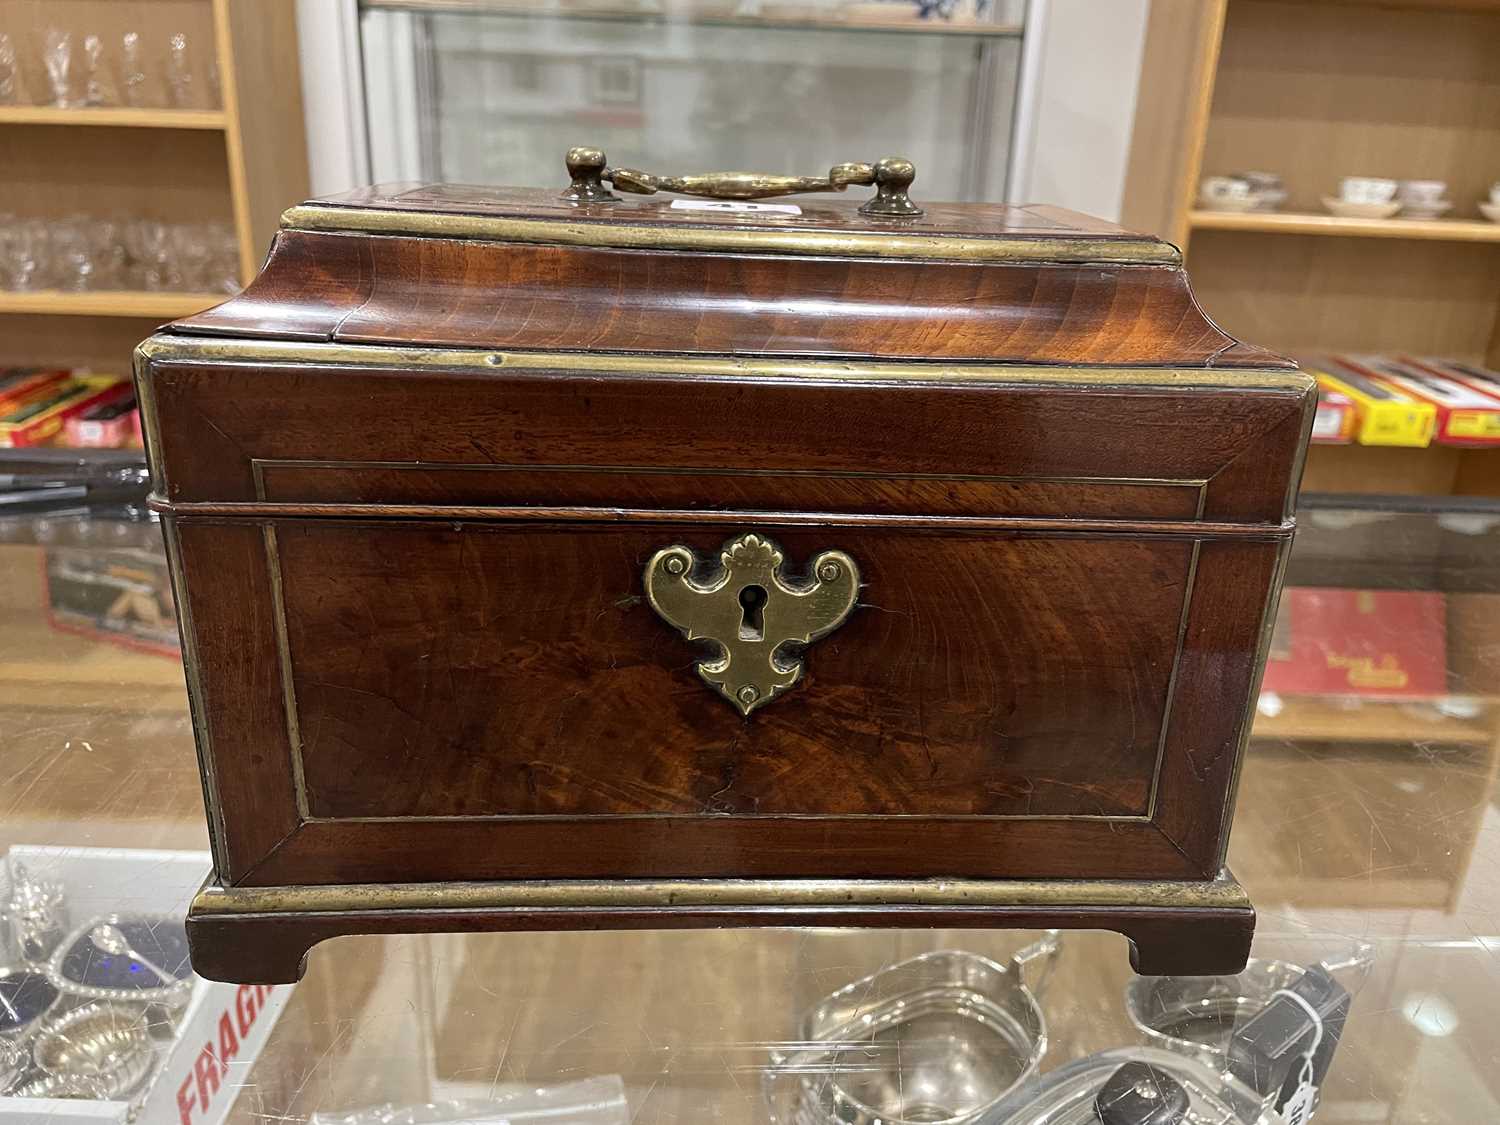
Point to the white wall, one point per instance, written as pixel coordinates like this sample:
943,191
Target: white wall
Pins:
1084,63
332,95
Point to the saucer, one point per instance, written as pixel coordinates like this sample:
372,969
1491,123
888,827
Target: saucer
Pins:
1346,210
1246,203
1490,211
1425,210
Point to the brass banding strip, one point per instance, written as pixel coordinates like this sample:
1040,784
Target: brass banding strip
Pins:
1049,525
169,348
684,894
748,240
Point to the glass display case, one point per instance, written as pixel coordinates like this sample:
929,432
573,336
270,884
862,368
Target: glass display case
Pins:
1366,833
474,92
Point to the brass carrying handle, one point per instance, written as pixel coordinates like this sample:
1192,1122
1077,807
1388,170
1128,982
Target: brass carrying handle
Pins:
588,169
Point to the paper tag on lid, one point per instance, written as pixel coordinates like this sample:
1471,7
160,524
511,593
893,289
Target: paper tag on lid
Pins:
1298,1109
735,205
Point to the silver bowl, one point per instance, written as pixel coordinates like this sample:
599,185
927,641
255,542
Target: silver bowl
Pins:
934,1040
171,996
100,1046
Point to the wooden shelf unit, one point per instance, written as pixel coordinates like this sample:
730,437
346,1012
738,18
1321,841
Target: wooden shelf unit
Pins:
108,302
240,164
1283,222
1316,718
1315,91
117,116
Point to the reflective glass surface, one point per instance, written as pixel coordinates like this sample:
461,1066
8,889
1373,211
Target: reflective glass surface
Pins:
472,93
1367,816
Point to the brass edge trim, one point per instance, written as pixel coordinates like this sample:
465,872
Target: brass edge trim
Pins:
146,398
1299,463
1048,525
583,820
164,348
1190,587
685,894
752,240
284,671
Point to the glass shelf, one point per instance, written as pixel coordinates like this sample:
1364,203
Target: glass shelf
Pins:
1361,818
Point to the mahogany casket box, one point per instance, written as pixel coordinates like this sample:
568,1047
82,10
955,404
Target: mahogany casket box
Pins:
552,560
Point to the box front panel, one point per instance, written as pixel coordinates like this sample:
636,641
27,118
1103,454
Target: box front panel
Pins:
424,650
409,701
513,670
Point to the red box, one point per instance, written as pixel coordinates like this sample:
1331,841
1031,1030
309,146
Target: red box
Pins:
107,424
1334,422
1331,641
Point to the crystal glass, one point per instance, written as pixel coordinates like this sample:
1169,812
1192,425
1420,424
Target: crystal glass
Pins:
132,70
225,269
20,252
192,256
98,87
10,73
71,252
180,71
107,243
58,57
146,248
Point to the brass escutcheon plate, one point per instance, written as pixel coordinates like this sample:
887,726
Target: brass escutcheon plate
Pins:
751,611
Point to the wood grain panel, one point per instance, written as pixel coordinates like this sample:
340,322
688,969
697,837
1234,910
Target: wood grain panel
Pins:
235,687
465,293
1211,719
355,851
517,671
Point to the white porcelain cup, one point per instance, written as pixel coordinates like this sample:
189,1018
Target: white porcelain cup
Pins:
1367,189
1495,193
1262,181
1225,187
1423,191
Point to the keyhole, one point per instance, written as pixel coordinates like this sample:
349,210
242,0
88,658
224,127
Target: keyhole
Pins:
752,603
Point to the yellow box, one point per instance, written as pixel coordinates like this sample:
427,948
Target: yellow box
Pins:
1383,414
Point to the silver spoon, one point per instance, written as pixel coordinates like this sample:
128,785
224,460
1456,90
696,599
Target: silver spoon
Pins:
109,938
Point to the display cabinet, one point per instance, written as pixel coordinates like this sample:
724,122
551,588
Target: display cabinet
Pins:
1367,819
1314,92
486,92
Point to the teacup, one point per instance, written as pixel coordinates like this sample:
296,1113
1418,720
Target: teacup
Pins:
1495,193
1225,188
1367,189
1423,192
1261,181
